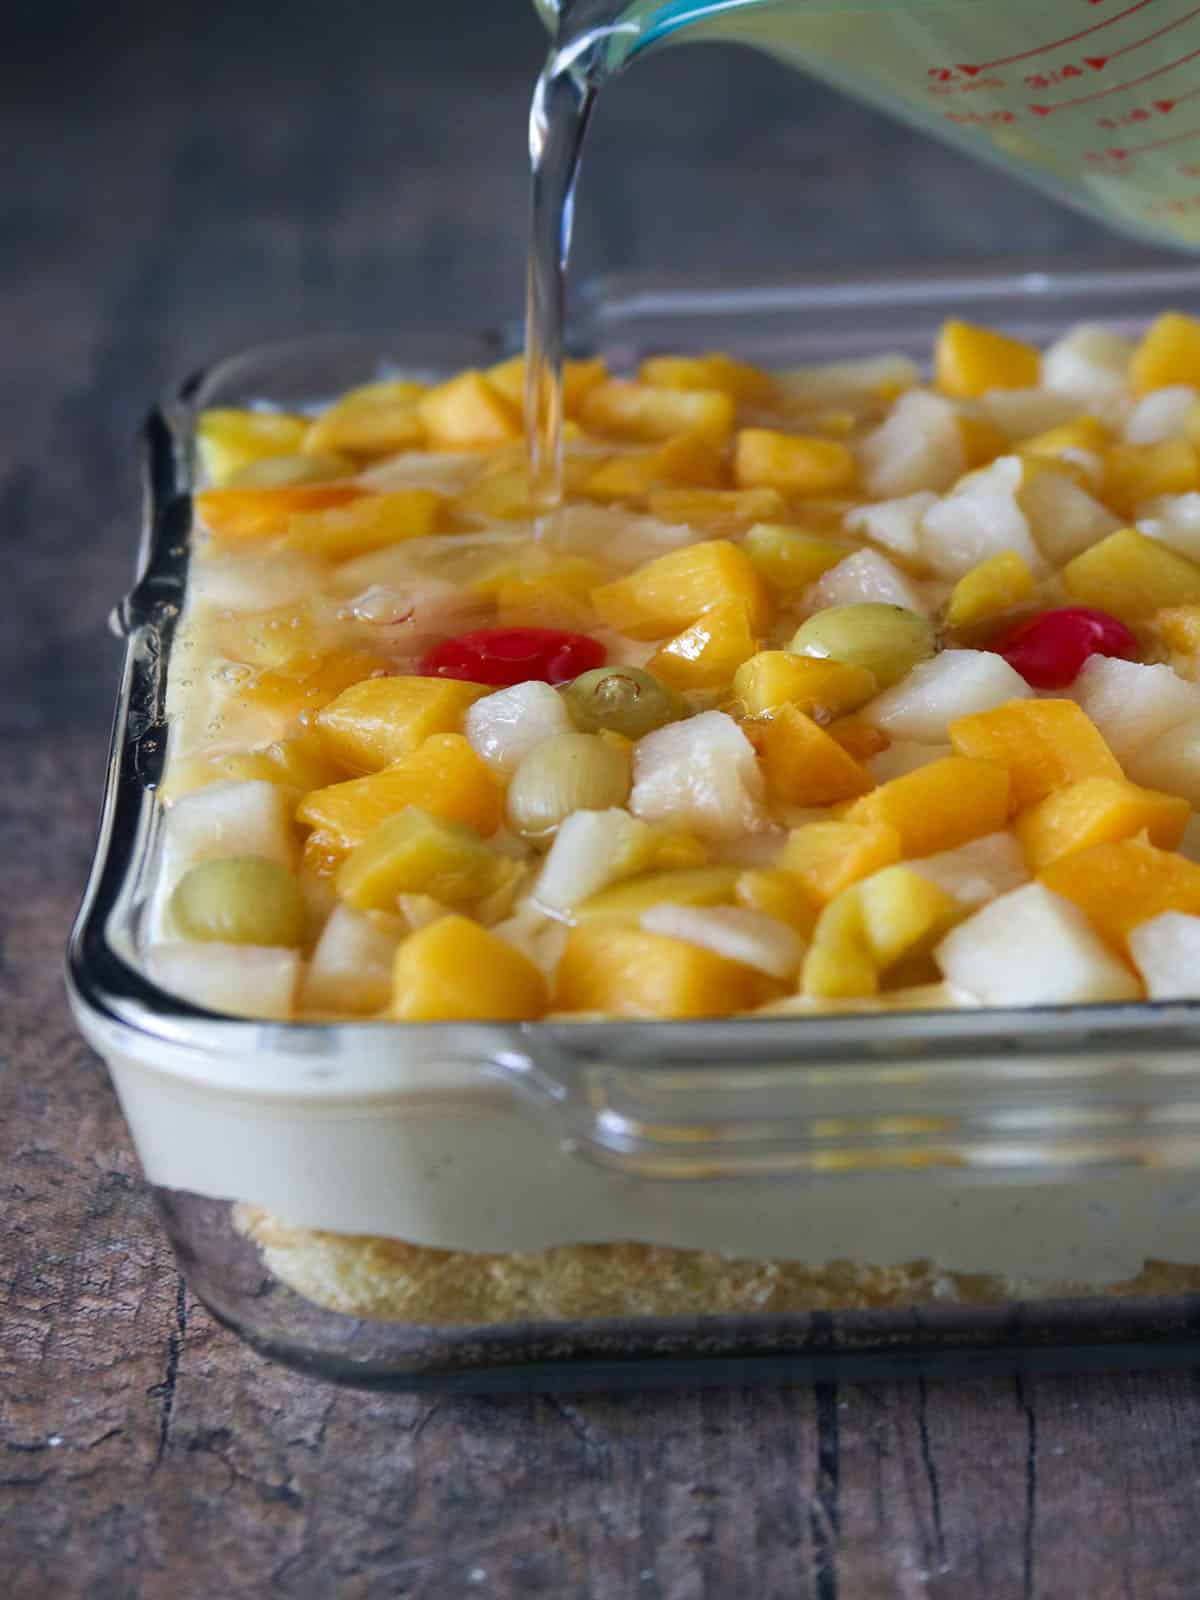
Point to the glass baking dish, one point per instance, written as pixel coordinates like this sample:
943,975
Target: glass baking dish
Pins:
493,1205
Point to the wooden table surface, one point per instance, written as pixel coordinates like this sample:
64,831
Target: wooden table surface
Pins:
185,179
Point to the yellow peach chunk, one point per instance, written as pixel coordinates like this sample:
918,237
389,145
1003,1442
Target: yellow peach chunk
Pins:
982,440
713,371
372,523
1168,354
469,413
802,764
643,412
707,654
1136,473
792,463
990,589
939,806
1131,576
687,460
230,440
790,559
577,378
415,852
969,360
839,964
234,516
307,681
625,972
820,688
444,777
827,857
715,511
904,915
377,419
777,894
453,970
669,593
1045,744
1098,811
1179,627
374,723
623,904
1084,432
1117,886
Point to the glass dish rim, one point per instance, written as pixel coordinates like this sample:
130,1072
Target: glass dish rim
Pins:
108,990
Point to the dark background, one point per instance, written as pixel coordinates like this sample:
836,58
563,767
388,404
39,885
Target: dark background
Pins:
184,178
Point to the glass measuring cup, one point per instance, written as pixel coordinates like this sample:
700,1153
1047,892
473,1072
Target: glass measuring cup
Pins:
1095,101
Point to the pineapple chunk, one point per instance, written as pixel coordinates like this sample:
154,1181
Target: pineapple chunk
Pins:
1045,744
718,512
372,523
351,967
1137,473
1131,577
939,806
749,937
455,971
670,592
995,586
578,378
444,776
839,964
622,904
229,440
789,559
1032,947
737,378
375,722
706,655
1119,885
626,972
1179,627
1168,354
792,463
936,693
968,361
640,411
802,764
1098,811
469,413
827,857
904,914
700,774
687,460
416,853
233,516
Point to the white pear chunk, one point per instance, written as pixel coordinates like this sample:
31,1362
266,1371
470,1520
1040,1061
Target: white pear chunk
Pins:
701,774
1160,415
1090,365
894,524
978,519
919,446
750,937
936,693
591,850
1166,951
253,583
1031,947
1133,704
504,727
244,817
246,980
1174,520
1064,519
1170,762
860,374
351,967
866,577
977,871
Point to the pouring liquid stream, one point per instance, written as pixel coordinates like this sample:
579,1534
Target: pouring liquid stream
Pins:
1096,102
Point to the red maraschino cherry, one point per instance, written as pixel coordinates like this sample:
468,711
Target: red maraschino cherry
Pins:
1050,650
504,656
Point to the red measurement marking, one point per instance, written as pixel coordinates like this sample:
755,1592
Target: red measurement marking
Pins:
1096,156
1116,88
1150,37
1143,113
1055,44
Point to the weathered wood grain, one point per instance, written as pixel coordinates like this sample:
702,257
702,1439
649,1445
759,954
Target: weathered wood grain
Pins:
190,178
